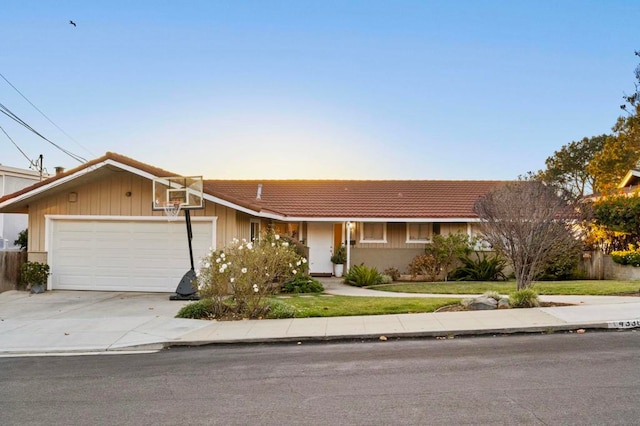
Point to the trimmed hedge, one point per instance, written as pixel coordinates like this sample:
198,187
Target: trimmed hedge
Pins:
626,257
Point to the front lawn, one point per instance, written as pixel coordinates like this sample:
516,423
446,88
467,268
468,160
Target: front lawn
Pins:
575,287
337,306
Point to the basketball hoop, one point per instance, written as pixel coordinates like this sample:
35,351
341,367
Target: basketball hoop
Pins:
172,210
171,194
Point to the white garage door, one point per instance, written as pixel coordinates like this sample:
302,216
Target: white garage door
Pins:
135,254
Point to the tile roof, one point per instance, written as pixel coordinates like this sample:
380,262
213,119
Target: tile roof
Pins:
358,198
417,199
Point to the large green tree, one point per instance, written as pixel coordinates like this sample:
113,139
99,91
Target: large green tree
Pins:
568,166
621,152
618,221
619,213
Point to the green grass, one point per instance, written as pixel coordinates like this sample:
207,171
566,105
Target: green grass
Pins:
337,306
575,287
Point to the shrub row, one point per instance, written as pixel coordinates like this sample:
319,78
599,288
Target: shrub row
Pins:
626,257
208,309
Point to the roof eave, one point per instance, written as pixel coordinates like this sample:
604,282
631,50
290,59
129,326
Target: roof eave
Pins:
375,219
630,174
47,186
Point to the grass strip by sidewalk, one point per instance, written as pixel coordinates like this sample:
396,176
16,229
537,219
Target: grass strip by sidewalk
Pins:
337,306
573,287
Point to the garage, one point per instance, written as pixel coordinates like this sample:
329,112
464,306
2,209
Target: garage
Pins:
147,254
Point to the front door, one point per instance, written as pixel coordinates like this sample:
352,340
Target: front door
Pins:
320,243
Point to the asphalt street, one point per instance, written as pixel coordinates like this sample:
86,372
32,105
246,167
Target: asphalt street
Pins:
564,378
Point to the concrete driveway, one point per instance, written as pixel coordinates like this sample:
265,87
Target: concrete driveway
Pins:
67,321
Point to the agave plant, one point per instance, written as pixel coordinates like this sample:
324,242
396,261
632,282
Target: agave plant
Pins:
362,276
485,268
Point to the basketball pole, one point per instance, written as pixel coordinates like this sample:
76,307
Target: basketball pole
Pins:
187,219
186,289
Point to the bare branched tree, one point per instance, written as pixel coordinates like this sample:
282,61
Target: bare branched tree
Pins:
529,223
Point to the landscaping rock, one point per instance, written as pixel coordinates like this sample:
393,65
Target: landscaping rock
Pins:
483,303
503,303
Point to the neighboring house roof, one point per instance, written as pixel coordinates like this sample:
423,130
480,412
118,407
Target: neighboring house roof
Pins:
20,173
629,186
308,199
631,179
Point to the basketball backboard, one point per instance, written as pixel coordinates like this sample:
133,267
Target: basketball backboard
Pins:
185,191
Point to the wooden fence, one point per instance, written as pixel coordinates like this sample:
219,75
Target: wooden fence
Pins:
10,263
599,266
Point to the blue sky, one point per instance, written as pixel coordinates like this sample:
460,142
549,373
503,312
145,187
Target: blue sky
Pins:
316,89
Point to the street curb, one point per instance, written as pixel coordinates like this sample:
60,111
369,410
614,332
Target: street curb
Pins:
83,352
395,335
449,334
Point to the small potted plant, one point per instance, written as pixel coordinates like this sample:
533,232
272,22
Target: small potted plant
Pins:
338,259
34,275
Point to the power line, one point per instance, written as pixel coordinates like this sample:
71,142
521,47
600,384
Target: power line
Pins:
6,111
45,115
19,149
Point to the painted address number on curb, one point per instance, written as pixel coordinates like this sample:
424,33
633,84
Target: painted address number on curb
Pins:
624,324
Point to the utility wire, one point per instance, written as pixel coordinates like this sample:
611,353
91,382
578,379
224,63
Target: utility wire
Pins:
16,145
45,115
6,111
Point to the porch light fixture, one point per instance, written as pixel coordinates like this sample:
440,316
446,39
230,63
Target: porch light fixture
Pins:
351,227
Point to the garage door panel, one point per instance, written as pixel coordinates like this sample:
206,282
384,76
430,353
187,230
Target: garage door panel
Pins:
159,267
75,281
124,255
69,264
138,265
74,226
74,244
113,240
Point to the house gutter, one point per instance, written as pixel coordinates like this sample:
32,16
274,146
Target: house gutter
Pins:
370,219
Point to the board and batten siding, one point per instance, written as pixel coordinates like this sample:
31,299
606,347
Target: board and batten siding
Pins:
110,193
397,235
243,226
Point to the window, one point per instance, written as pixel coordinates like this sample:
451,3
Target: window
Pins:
419,232
255,230
373,232
436,228
291,230
279,228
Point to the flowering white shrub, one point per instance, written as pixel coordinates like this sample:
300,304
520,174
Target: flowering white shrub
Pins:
239,278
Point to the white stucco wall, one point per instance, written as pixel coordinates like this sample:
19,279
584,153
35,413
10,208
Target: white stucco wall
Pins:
11,180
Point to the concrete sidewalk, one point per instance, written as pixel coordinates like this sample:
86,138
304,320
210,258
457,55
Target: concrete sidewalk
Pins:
105,322
587,312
